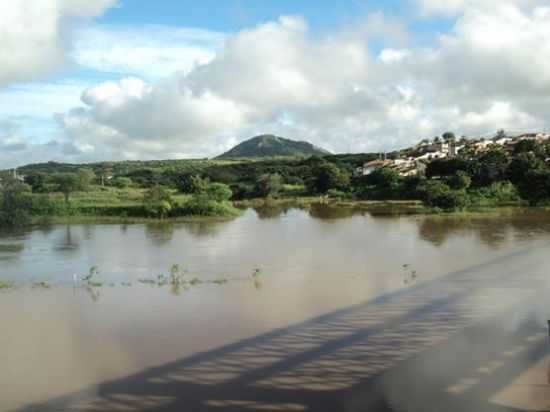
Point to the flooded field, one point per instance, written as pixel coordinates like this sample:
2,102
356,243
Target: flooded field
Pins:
333,274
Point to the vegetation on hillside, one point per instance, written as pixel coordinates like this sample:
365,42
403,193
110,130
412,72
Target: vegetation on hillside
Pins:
270,146
166,189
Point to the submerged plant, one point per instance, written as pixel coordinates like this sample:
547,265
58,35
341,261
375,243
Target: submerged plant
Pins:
6,285
147,281
176,275
94,293
41,285
11,248
195,281
94,270
409,276
219,281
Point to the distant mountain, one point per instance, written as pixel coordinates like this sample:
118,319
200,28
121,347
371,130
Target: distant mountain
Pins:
269,145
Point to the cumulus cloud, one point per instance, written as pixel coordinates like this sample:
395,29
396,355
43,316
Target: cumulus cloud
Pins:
32,35
362,88
275,75
451,8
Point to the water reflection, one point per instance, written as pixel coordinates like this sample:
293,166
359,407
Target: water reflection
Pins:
271,210
159,234
491,231
325,211
203,229
69,242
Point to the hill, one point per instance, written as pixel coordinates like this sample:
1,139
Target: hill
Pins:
272,146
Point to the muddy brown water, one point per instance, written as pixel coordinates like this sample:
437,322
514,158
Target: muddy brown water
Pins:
60,340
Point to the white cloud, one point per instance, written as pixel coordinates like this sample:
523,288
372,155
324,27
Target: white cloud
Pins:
332,90
32,35
149,51
337,90
451,8
390,56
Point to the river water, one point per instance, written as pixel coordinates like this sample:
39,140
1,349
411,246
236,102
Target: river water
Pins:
279,266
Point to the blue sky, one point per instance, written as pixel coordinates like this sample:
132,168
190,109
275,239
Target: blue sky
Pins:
139,79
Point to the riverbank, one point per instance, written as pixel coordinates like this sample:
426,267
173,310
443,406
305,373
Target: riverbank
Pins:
278,205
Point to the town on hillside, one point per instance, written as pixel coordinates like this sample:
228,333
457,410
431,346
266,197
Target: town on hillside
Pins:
413,161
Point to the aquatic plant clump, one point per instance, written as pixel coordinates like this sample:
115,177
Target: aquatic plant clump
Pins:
5,285
11,248
176,280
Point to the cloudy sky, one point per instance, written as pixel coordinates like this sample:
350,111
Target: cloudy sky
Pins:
139,79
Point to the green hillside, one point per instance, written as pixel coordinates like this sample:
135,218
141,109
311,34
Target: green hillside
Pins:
272,146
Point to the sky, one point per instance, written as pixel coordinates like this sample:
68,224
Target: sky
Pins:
85,81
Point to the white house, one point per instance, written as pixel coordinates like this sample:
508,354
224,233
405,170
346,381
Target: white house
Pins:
371,166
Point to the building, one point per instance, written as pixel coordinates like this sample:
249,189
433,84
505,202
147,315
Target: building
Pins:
371,166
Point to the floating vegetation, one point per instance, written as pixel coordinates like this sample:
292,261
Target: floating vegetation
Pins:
176,279
147,281
4,285
176,275
11,248
41,285
409,275
256,278
195,281
94,270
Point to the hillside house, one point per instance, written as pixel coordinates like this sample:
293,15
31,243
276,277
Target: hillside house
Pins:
371,166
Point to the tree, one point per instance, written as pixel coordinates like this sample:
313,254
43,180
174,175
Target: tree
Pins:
524,146
191,184
218,192
67,183
269,185
85,179
122,182
328,176
492,168
446,167
437,194
15,203
449,137
520,166
37,181
158,201
384,177
538,189
459,181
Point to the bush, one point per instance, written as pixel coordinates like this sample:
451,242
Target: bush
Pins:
459,181
497,193
268,185
157,201
438,194
218,192
328,176
15,203
201,205
191,184
122,182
